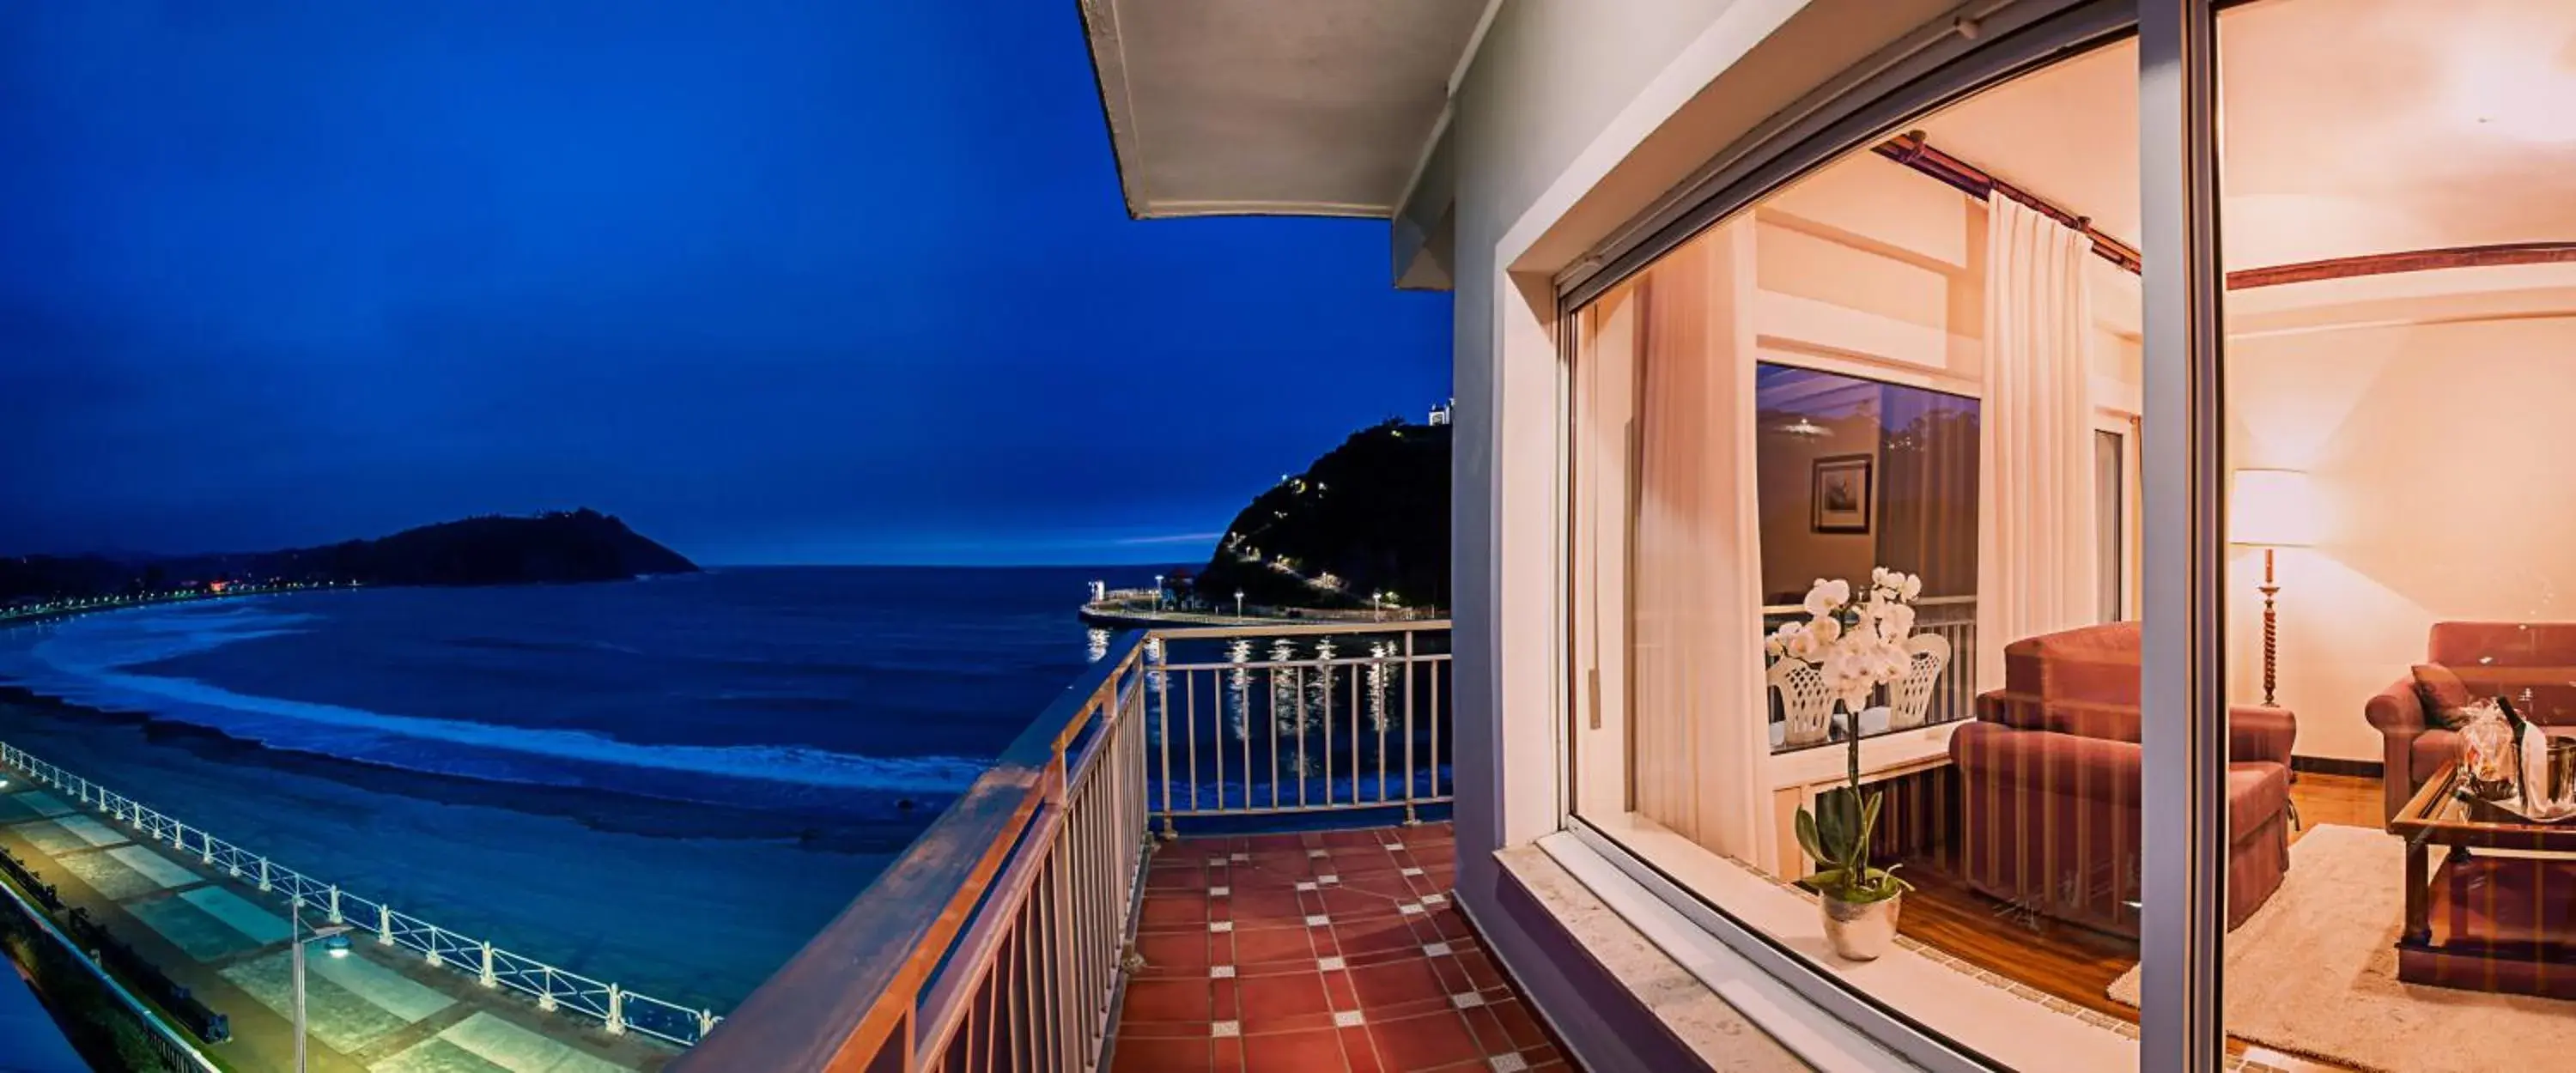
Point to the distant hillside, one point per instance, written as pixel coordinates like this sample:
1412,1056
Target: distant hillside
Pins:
1370,515
560,546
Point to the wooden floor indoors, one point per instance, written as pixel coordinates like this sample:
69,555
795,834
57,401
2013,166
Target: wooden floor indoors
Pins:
2078,964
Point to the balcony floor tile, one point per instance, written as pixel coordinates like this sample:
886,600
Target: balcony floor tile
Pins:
1412,989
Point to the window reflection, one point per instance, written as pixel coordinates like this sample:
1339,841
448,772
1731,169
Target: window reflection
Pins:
1856,476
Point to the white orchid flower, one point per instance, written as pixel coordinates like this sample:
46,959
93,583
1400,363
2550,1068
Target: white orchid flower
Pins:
1827,596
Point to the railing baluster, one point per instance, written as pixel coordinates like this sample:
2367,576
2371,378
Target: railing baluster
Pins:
1247,740
1357,673
1377,693
1324,693
1163,726
1190,735
1297,696
1409,767
1435,732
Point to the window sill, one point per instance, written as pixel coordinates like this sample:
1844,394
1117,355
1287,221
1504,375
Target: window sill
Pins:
1718,1028
2002,1022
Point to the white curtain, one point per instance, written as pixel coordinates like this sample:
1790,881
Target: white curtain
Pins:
1699,736
2035,515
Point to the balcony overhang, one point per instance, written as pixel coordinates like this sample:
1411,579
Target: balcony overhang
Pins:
1265,108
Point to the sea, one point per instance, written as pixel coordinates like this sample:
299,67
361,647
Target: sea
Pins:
670,784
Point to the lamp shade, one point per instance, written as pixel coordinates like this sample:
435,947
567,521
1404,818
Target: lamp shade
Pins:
2272,507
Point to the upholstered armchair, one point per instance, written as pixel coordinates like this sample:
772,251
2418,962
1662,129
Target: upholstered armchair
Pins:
2051,796
2490,659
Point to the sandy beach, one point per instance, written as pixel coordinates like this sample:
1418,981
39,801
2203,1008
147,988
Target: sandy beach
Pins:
699,921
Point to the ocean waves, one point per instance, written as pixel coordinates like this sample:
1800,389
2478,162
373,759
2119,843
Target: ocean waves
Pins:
92,662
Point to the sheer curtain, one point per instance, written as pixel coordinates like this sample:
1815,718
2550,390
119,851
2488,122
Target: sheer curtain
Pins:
2035,551
1698,736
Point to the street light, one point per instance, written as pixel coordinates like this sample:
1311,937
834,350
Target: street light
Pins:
335,941
1238,603
1158,592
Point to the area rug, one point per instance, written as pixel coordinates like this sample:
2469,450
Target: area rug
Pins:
2314,973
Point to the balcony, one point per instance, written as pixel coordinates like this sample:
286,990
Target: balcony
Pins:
1222,848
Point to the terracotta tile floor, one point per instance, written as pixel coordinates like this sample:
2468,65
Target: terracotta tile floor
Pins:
1331,950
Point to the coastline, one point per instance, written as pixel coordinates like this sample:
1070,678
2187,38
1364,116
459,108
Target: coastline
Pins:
861,822
611,880
620,898
858,821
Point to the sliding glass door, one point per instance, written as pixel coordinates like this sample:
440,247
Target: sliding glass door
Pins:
2244,734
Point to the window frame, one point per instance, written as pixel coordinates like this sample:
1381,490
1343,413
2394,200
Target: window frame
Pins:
2171,461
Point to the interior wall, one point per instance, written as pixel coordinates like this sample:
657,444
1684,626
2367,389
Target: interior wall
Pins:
1793,553
2438,454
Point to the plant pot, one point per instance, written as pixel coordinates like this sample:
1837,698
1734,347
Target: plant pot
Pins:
1859,931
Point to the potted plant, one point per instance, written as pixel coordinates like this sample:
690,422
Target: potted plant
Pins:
1858,644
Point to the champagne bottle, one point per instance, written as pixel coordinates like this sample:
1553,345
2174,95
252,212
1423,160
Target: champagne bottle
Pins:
2515,720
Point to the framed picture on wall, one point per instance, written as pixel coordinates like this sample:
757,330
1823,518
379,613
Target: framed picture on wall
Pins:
1841,496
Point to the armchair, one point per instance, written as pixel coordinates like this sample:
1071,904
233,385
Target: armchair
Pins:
2052,799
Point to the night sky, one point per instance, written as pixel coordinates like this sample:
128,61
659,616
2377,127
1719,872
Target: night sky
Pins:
775,282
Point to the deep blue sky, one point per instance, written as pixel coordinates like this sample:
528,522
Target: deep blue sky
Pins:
776,282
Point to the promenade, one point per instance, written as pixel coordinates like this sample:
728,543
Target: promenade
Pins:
378,1010
1128,614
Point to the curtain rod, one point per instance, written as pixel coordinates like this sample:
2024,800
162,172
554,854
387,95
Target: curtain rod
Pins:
1912,150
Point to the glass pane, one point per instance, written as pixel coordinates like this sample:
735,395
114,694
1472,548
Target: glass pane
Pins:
1832,460
2400,622
1856,475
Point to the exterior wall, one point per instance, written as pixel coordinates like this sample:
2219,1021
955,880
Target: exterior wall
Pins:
2435,451
1571,117
1550,76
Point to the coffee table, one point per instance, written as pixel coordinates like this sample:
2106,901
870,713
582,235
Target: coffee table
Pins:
2486,921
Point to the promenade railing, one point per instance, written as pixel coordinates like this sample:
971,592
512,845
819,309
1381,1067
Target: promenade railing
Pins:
1002,937
554,989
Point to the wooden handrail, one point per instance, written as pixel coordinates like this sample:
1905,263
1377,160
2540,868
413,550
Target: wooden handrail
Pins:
850,995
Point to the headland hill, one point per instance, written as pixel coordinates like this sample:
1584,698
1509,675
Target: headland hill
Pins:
564,546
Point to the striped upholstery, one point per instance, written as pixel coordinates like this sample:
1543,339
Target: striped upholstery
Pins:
2510,659
2050,793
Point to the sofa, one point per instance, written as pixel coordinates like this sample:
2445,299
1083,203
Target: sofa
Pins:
2491,659
2050,795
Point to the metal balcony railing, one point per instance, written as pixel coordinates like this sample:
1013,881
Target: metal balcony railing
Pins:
1002,937
1278,719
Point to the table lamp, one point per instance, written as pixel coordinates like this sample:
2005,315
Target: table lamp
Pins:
2271,509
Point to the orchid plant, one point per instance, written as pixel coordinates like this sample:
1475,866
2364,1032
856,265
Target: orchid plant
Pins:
1858,644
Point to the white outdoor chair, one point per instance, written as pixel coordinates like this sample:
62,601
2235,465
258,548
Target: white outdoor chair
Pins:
1913,693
